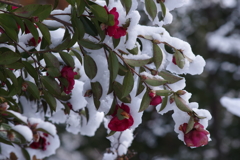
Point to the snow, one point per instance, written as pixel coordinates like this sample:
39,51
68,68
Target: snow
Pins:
24,131
231,104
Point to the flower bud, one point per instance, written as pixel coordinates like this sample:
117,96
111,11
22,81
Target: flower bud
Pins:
152,93
156,100
181,92
174,60
24,86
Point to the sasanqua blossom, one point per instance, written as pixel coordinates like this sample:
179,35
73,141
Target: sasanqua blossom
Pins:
196,137
120,125
115,31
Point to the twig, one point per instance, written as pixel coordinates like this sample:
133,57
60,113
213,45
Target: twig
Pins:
11,3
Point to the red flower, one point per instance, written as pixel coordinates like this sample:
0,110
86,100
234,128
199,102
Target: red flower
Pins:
196,137
120,125
41,143
155,100
67,72
32,41
174,60
115,31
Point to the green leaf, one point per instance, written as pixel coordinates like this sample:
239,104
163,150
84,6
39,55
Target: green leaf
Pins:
137,63
90,67
113,65
157,55
77,54
171,78
111,133
145,101
9,57
32,28
56,2
128,83
190,125
169,49
163,92
133,51
164,103
122,69
27,11
8,23
101,32
115,42
97,93
51,85
88,26
51,60
43,12
71,2
80,7
90,45
100,13
118,90
163,7
151,8
45,32
111,20
155,81
181,104
50,100
53,72
180,60
67,58
77,24
113,106
15,65
12,76
30,69
140,87
33,89
26,154
127,4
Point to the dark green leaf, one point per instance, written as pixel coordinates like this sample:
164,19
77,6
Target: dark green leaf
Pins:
127,4
97,93
113,106
50,100
67,58
115,42
80,6
9,57
157,55
90,67
12,76
90,45
51,85
53,72
113,65
51,60
118,89
77,54
88,26
15,65
26,154
45,32
8,23
128,83
30,69
33,89
145,101
169,49
151,8
56,2
122,69
100,13
32,28
101,32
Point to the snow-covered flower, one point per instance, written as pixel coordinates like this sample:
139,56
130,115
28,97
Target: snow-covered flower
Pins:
123,123
196,137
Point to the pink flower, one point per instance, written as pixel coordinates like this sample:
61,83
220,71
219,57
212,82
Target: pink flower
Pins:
120,125
41,143
67,72
115,31
196,137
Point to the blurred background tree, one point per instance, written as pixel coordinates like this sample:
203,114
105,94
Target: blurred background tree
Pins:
201,23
